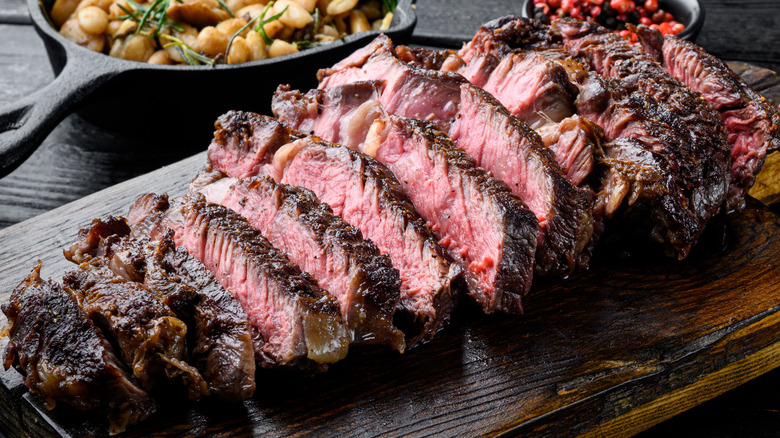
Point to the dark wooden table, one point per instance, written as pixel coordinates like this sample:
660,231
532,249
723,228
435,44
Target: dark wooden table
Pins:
79,158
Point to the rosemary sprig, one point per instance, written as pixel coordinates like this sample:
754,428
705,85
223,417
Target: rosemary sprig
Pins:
227,8
303,45
190,56
389,5
259,27
154,14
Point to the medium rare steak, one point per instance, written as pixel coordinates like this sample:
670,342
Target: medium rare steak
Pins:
65,358
430,281
218,335
151,339
294,322
500,143
323,245
625,112
477,217
705,158
460,201
752,123
537,91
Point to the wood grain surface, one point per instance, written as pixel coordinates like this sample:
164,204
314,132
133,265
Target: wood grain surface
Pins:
79,158
590,355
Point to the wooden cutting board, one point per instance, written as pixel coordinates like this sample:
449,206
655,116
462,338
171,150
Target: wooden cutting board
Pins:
611,351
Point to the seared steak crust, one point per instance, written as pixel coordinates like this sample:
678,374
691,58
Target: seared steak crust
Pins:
150,337
752,123
65,358
704,154
323,245
218,335
294,322
430,281
502,274
682,132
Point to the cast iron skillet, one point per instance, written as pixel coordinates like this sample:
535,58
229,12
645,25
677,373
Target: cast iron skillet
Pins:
159,103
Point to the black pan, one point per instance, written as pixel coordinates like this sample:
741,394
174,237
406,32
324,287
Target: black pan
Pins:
174,103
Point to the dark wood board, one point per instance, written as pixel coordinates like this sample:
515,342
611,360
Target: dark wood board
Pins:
596,352
627,344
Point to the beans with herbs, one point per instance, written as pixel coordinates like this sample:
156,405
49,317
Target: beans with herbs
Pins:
200,32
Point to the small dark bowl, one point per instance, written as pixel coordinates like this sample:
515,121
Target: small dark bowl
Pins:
688,12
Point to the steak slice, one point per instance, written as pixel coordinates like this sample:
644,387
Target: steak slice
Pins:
705,158
218,337
460,201
752,123
151,339
537,91
430,281
500,143
487,228
65,358
323,245
294,322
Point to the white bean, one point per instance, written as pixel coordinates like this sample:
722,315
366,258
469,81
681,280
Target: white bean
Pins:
257,49
386,21
62,10
294,15
93,20
358,21
281,48
239,51
338,7
212,41
73,31
231,26
159,57
309,5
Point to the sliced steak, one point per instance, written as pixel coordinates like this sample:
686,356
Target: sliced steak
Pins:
625,112
430,281
151,339
500,143
65,358
294,322
537,91
482,223
460,201
752,123
218,336
323,245
705,158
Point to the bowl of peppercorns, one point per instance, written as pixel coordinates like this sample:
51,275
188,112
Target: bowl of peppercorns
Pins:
683,18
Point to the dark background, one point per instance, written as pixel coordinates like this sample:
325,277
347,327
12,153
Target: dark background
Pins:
79,158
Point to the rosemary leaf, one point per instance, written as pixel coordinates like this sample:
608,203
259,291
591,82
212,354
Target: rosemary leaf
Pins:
224,5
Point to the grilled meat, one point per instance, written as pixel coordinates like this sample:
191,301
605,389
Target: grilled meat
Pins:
219,340
323,245
65,358
501,144
369,197
460,200
151,339
752,123
293,321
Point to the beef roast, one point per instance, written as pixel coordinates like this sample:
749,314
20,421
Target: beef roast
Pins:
752,123
65,358
500,143
323,245
218,335
449,190
151,339
294,322
430,281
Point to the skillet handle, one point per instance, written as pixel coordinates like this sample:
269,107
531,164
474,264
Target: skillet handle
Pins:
26,123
